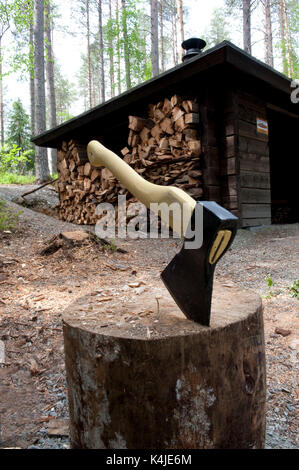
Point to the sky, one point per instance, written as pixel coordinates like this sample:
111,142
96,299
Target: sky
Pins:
68,49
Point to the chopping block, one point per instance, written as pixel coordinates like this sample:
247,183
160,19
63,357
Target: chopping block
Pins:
141,375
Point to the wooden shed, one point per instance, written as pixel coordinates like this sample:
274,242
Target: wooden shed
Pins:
247,128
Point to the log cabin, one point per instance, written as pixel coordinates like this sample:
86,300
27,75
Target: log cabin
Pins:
221,125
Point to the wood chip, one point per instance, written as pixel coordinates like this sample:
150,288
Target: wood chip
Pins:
58,427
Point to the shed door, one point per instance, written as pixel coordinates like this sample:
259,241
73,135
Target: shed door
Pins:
284,167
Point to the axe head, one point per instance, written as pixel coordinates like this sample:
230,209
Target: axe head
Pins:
189,276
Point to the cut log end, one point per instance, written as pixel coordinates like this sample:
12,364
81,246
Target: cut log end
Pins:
145,373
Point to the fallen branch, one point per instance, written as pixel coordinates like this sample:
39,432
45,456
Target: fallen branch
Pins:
39,187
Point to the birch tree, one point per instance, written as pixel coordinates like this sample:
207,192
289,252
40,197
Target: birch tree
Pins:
41,160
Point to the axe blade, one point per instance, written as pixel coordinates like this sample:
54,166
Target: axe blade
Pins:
189,276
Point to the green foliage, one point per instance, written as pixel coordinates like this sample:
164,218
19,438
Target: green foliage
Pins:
12,160
218,30
294,289
15,178
18,131
270,283
8,219
65,96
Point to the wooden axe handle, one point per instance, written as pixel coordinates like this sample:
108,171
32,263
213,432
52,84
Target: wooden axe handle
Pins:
144,191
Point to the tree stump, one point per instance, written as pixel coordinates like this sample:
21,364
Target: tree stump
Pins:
142,376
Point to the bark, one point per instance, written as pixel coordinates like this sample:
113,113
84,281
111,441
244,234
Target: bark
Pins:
50,84
287,40
1,98
285,61
161,37
126,44
268,34
174,39
31,80
118,48
88,54
247,25
4,27
111,59
181,22
41,160
101,44
213,391
154,38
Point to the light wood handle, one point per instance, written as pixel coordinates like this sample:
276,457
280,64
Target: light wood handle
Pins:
144,191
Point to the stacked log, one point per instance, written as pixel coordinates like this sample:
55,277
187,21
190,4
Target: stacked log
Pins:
163,147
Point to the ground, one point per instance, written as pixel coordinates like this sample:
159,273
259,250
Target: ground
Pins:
35,289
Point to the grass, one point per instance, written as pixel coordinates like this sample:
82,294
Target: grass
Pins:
8,220
13,178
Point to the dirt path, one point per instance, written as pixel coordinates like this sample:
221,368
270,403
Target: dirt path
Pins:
34,290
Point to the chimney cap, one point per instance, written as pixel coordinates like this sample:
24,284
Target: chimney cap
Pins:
193,46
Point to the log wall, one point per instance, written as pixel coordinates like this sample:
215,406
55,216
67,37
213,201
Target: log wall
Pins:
246,165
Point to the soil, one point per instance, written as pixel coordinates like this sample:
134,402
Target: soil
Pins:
36,289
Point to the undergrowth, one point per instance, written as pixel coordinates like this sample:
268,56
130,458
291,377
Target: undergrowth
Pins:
8,219
14,178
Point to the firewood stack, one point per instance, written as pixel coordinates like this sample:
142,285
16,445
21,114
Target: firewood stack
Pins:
164,148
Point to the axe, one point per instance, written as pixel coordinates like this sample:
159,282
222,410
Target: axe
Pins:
189,276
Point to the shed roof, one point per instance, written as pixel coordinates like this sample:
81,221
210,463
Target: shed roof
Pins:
107,114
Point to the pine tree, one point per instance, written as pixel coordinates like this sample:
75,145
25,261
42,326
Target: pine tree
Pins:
246,6
154,38
18,130
41,160
4,27
218,30
50,81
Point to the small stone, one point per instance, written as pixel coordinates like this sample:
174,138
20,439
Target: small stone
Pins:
282,331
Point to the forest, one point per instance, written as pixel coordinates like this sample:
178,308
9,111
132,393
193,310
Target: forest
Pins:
125,42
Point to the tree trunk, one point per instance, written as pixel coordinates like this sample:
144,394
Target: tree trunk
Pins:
169,383
126,44
161,37
31,79
88,54
101,44
1,98
268,34
154,38
247,25
282,37
41,160
181,23
118,48
174,38
287,39
111,59
50,84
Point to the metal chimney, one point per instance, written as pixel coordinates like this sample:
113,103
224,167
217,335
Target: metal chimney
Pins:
193,47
